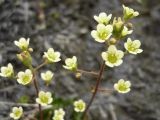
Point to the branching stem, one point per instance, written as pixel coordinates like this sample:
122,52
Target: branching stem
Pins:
40,66
88,72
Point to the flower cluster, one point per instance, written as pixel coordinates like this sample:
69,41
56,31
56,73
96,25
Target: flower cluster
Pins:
111,33
29,75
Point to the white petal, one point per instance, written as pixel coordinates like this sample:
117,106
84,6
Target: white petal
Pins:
109,64
101,27
116,86
104,55
16,43
120,54
128,83
139,51
94,34
109,28
112,49
137,43
119,62
121,81
100,40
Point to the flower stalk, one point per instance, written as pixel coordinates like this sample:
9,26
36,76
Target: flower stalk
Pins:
96,89
37,91
88,72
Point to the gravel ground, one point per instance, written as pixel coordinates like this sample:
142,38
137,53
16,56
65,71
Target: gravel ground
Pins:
66,27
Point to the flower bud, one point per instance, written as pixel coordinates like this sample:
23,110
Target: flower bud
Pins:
78,75
112,41
117,27
117,24
25,58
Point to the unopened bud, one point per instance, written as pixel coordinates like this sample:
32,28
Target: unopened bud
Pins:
30,50
130,25
78,75
25,58
113,41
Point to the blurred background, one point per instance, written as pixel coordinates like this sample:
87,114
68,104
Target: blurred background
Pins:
65,25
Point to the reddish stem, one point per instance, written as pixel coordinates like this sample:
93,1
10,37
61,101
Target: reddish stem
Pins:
37,91
96,89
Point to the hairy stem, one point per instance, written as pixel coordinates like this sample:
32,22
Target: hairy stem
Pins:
41,65
96,89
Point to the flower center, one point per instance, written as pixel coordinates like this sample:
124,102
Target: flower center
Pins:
26,78
122,87
7,72
44,99
112,58
17,113
80,106
102,35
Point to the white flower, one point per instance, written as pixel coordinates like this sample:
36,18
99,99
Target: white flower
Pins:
129,13
71,63
44,98
133,47
125,31
117,25
79,106
17,112
102,33
103,18
47,76
59,114
113,57
25,78
52,56
7,71
22,43
122,86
